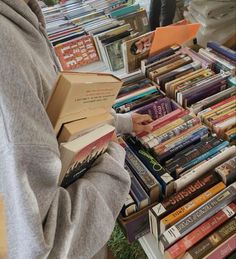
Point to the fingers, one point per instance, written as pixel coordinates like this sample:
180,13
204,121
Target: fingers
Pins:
138,128
140,118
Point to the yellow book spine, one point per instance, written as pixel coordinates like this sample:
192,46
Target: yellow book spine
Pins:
178,214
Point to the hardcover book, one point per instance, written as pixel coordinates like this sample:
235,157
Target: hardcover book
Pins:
81,95
78,155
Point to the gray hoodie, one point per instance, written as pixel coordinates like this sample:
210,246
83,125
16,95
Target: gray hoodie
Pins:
44,220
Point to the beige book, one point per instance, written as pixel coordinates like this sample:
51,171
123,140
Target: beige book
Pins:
81,95
78,128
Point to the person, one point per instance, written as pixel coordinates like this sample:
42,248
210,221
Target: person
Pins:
43,219
162,13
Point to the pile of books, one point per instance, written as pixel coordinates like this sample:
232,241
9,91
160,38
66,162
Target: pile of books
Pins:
79,112
85,32
181,164
217,19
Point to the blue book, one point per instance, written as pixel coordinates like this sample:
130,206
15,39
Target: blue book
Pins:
229,53
137,192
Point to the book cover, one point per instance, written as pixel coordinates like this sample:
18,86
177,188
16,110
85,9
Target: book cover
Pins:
227,171
135,50
199,233
77,52
78,155
197,217
80,95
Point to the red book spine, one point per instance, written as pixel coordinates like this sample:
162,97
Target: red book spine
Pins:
176,114
180,247
223,102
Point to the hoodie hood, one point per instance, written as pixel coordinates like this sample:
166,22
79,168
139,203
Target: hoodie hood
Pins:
22,14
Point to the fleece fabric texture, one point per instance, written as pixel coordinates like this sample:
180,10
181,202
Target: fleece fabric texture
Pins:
43,219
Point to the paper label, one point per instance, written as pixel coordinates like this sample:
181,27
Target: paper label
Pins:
228,211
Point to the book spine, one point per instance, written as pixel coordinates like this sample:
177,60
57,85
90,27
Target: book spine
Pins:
173,165
231,54
180,247
198,216
176,131
180,198
146,179
159,172
181,212
206,245
223,250
137,192
201,169
195,137
204,156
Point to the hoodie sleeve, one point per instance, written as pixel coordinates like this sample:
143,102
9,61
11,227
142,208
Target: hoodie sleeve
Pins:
43,219
123,122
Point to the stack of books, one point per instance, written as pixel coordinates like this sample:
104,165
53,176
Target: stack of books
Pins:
216,19
79,112
85,32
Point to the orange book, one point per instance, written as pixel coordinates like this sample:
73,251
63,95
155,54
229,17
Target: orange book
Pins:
175,216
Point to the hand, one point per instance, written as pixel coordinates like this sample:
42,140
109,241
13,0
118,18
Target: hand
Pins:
141,123
114,138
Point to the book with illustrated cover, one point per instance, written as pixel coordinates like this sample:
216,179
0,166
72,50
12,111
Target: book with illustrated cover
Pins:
197,217
227,171
208,244
78,155
76,52
135,50
80,95
184,244
180,198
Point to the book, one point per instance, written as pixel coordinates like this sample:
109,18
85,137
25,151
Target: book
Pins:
230,53
138,21
74,129
78,155
3,236
135,50
223,250
129,206
137,192
146,179
190,206
199,233
227,171
197,217
158,171
203,168
125,10
208,244
180,198
81,95
76,52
